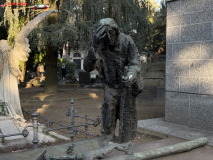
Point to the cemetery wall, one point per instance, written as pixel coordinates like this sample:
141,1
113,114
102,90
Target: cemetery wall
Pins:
153,74
189,63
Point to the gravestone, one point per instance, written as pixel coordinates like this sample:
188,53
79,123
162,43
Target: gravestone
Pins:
189,63
84,77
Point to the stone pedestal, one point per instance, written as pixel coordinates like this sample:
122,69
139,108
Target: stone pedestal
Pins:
189,63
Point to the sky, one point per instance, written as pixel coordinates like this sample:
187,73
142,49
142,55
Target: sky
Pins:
158,1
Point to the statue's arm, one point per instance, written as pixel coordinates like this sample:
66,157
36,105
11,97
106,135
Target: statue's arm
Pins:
22,48
90,60
134,63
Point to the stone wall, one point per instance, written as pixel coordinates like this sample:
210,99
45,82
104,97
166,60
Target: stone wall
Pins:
189,63
153,74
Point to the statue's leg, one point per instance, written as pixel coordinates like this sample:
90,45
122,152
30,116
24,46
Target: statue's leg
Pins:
128,116
109,110
104,152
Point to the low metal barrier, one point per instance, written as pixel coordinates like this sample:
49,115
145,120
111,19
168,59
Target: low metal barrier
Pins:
72,129
25,132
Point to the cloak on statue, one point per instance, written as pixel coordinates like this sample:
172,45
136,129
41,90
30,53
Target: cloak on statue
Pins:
119,100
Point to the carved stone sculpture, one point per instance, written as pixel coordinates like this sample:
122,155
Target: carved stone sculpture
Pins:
116,57
9,65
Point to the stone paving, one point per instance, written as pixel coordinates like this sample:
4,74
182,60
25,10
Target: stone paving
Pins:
159,127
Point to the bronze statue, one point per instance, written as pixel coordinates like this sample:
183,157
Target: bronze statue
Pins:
101,153
116,57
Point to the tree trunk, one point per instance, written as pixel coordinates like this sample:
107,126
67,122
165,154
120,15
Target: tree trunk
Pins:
51,80
23,71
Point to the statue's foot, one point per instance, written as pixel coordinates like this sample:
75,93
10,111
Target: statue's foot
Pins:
114,139
128,148
105,141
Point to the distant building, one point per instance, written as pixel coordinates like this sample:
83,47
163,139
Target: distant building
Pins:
76,56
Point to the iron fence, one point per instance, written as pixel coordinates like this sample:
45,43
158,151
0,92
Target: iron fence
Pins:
72,129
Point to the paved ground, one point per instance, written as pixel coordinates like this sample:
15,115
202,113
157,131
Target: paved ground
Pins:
87,100
159,127
201,153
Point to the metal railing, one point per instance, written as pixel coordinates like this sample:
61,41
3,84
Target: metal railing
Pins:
72,129
25,132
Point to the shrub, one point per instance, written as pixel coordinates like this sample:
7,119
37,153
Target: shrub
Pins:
70,66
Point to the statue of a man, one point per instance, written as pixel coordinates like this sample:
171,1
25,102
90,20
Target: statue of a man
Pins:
116,57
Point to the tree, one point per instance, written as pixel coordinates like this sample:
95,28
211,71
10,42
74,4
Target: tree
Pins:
159,36
50,36
126,13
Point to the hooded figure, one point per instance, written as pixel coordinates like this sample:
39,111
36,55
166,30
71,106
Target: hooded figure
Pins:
116,57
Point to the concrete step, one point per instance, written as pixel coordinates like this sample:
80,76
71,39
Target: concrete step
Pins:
8,127
3,118
159,127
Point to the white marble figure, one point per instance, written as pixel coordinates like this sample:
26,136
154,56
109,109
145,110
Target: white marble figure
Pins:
9,65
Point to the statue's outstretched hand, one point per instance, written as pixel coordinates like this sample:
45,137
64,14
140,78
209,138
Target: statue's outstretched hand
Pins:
98,36
127,80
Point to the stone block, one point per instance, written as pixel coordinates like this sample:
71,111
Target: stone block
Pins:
153,82
177,108
169,52
165,128
179,68
84,77
8,127
172,83
189,84
206,86
202,17
207,4
179,20
186,50
153,67
195,67
148,122
41,137
189,133
155,74
196,32
173,8
173,35
201,113
188,6
201,68
207,50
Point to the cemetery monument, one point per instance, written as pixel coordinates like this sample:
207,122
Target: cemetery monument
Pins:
117,60
9,65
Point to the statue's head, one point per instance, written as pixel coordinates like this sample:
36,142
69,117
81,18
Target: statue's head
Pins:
112,30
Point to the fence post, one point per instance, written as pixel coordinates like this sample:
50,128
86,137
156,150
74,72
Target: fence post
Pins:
35,128
72,135
102,127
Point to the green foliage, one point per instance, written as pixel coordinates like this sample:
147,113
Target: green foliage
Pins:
39,2
69,65
20,65
40,57
159,36
16,24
